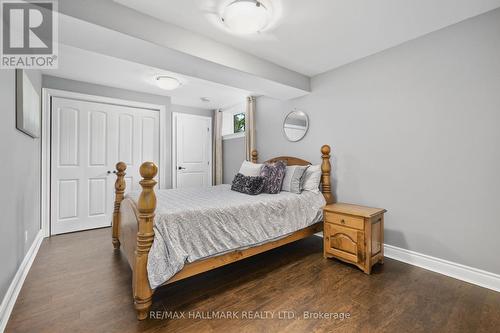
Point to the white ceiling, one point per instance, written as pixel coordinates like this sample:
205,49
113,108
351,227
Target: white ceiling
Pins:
86,66
311,37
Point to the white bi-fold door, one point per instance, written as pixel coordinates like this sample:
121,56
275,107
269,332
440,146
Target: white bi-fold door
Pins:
88,139
192,156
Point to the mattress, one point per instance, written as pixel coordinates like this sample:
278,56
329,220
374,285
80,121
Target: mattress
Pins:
197,223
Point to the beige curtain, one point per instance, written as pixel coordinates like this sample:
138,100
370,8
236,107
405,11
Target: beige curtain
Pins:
250,127
217,153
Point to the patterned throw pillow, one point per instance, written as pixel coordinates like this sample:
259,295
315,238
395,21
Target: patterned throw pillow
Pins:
248,184
293,175
273,174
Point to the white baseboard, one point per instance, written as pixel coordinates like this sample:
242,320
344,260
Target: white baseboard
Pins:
15,286
458,271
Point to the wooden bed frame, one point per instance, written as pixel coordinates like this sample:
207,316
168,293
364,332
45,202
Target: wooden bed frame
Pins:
136,237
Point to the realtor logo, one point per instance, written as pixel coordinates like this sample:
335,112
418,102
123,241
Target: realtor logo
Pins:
29,34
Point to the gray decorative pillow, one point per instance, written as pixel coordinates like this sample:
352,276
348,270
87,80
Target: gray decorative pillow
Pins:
273,174
293,175
248,184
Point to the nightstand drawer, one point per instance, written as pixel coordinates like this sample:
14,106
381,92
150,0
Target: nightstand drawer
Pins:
345,220
344,243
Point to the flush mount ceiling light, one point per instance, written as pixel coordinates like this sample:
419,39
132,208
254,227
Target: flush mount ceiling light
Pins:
167,82
246,16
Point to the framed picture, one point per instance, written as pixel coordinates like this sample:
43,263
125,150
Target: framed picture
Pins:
27,105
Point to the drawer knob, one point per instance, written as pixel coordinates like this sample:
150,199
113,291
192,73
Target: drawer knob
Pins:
342,221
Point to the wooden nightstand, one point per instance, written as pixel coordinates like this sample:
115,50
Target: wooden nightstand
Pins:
354,234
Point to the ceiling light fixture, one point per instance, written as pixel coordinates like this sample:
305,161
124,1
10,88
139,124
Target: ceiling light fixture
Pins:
167,82
246,16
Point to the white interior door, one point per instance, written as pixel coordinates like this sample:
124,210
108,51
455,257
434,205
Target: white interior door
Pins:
192,160
88,139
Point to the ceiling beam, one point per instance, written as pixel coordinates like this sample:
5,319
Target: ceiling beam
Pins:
105,27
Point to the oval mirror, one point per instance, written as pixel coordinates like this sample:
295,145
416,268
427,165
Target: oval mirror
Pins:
295,126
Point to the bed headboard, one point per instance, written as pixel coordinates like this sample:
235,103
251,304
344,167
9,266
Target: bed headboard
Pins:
326,169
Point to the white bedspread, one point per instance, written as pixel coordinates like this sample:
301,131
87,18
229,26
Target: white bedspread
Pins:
193,224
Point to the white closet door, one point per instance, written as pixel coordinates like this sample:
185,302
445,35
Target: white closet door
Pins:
193,151
88,139
138,136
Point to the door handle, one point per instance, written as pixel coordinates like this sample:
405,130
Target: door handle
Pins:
181,168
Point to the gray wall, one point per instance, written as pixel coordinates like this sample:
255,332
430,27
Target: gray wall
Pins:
99,90
414,129
233,155
20,179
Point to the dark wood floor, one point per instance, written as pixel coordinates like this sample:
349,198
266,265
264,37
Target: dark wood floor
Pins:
77,284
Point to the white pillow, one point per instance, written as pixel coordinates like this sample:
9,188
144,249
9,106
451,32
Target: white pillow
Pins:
311,179
250,169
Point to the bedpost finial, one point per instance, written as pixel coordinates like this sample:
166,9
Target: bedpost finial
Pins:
325,150
148,170
255,156
121,166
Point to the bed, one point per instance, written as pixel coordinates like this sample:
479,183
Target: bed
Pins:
170,235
